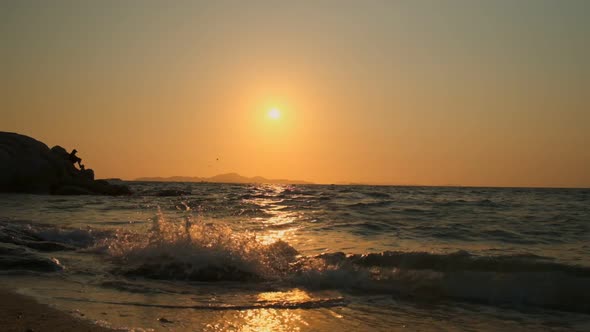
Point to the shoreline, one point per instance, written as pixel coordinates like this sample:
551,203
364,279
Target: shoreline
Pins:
20,313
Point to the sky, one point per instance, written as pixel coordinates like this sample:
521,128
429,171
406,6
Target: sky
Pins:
474,93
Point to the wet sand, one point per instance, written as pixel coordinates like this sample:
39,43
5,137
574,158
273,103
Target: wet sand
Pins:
21,313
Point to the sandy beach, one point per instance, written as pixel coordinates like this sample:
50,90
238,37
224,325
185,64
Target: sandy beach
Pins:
20,313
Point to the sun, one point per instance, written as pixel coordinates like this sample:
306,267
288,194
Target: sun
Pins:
274,113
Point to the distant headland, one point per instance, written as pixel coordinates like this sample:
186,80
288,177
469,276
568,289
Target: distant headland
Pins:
222,178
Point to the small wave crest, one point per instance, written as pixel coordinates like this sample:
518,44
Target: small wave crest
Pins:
14,257
307,304
47,238
504,280
28,247
456,261
369,205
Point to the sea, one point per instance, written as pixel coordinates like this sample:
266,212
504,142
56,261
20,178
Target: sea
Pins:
268,257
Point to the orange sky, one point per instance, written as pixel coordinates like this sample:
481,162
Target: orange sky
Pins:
421,92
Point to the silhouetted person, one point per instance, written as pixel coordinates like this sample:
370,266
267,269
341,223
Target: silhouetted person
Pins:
75,159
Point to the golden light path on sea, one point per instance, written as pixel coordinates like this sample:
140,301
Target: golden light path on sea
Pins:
267,319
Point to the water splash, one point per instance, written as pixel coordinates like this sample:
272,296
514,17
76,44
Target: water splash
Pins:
190,250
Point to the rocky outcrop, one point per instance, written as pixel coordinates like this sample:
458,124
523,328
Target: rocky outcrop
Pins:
29,166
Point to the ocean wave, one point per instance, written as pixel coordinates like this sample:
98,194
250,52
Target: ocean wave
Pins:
369,205
457,261
198,251
551,290
307,304
504,280
14,257
377,194
185,249
213,253
210,252
47,238
487,203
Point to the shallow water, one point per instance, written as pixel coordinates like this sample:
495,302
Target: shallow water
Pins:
222,257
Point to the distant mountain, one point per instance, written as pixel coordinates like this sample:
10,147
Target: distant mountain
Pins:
222,178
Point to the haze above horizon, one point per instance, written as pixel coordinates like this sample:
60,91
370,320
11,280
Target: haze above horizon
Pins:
421,92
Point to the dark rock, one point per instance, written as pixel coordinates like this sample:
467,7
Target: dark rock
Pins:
88,174
29,166
26,165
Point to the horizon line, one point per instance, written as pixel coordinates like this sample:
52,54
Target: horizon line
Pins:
344,183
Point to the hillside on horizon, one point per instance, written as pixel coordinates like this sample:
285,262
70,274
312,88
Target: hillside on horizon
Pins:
222,178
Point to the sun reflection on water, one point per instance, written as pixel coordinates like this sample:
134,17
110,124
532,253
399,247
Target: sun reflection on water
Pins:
294,295
278,215
272,236
271,320
266,319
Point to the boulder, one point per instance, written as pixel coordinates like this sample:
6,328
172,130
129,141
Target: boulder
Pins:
26,165
29,166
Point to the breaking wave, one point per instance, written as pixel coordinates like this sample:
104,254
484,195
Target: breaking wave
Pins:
210,252
190,250
198,251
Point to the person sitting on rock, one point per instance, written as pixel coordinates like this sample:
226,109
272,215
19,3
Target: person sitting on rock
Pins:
75,159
